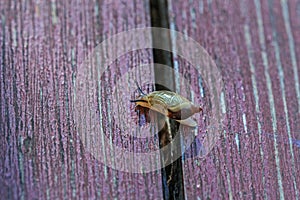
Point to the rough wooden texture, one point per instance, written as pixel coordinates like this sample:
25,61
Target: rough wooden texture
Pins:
255,45
43,44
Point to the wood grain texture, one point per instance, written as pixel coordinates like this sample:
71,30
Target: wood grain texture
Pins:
254,44
43,44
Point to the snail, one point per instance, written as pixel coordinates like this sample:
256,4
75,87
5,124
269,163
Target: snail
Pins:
169,104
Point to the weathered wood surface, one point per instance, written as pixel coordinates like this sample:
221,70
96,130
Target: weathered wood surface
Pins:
43,44
255,45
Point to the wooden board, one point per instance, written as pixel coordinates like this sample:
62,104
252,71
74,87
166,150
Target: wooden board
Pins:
254,45
50,99
43,46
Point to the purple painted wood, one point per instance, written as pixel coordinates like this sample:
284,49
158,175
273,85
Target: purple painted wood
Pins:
255,46
43,44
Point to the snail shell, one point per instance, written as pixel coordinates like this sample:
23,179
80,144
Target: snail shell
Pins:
171,105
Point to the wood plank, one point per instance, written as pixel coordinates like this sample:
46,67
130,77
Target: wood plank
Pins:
254,45
43,46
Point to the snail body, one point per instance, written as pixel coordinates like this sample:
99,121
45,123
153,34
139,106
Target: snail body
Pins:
169,104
